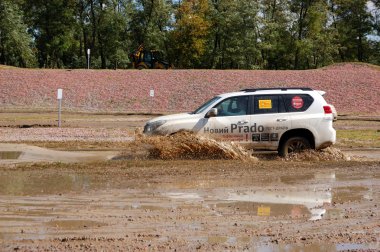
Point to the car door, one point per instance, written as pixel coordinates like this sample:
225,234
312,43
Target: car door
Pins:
232,122
269,121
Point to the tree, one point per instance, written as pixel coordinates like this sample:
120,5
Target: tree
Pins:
15,42
112,37
189,37
52,24
274,35
353,23
233,37
315,41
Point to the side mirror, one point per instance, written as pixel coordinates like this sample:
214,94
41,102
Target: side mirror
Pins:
212,113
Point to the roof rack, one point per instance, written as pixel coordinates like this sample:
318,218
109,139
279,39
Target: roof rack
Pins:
281,88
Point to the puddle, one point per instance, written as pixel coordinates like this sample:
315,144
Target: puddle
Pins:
318,177
332,214
74,224
180,195
314,201
10,154
316,247
349,194
18,153
146,207
273,210
22,183
217,239
257,245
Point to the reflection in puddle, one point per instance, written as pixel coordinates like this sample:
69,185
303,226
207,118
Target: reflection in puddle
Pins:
21,183
10,154
74,224
255,245
313,200
332,214
267,209
349,194
216,239
317,177
317,247
179,195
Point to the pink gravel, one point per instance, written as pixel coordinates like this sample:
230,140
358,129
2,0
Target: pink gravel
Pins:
352,88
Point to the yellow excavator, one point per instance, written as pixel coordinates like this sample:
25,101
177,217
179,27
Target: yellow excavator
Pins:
148,59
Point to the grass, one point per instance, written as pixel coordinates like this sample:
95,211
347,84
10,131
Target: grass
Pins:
358,138
7,67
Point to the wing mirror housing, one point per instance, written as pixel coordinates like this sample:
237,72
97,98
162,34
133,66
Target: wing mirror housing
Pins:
212,113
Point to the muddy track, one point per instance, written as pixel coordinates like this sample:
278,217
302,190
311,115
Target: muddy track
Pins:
57,199
189,205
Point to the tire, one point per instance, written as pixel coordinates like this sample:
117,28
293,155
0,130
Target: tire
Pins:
294,145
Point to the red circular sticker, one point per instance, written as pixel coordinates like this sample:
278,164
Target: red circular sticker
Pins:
297,102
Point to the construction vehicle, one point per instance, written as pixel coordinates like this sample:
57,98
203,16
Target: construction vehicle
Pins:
148,59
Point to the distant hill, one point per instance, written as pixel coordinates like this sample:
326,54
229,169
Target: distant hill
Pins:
352,88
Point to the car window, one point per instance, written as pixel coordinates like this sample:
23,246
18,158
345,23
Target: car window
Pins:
205,105
148,57
297,102
266,104
233,106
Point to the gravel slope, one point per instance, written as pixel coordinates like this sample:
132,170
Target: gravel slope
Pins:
352,88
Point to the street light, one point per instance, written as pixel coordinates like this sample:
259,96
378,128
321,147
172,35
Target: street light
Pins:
88,58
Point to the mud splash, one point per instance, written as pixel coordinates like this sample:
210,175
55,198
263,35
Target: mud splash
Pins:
328,154
184,145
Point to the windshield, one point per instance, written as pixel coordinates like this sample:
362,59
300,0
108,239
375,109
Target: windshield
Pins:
206,105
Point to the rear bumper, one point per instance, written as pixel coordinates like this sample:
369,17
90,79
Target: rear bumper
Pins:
326,139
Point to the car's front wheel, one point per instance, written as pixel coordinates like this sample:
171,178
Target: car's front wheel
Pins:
294,145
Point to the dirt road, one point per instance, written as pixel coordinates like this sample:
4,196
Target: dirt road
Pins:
182,205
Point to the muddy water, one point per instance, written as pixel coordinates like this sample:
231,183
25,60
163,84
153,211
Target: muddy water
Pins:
185,145
210,210
10,154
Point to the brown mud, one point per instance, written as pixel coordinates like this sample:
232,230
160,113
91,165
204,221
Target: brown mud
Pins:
184,145
191,205
183,192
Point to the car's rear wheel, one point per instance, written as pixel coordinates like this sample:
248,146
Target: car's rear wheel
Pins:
294,145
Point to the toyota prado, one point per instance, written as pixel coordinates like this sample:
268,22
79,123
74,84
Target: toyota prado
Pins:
283,119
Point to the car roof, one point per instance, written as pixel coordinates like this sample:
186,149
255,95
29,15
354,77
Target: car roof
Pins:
279,90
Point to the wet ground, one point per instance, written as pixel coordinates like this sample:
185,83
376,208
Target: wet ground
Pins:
63,200
189,205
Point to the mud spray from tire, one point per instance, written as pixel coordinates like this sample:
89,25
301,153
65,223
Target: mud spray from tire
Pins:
328,154
184,145
187,145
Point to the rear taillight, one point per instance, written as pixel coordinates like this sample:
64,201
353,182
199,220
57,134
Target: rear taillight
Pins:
327,109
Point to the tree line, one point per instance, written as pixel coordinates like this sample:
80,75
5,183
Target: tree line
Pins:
215,34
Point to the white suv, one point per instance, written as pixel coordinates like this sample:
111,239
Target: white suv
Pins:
283,119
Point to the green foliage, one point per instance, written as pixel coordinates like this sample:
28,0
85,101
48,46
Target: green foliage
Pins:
15,43
232,41
189,37
219,34
353,25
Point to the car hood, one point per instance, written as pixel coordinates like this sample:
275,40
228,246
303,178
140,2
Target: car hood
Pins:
173,117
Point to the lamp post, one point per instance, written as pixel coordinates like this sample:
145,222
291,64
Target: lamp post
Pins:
88,58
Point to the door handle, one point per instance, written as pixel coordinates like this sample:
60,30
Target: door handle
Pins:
281,120
242,122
